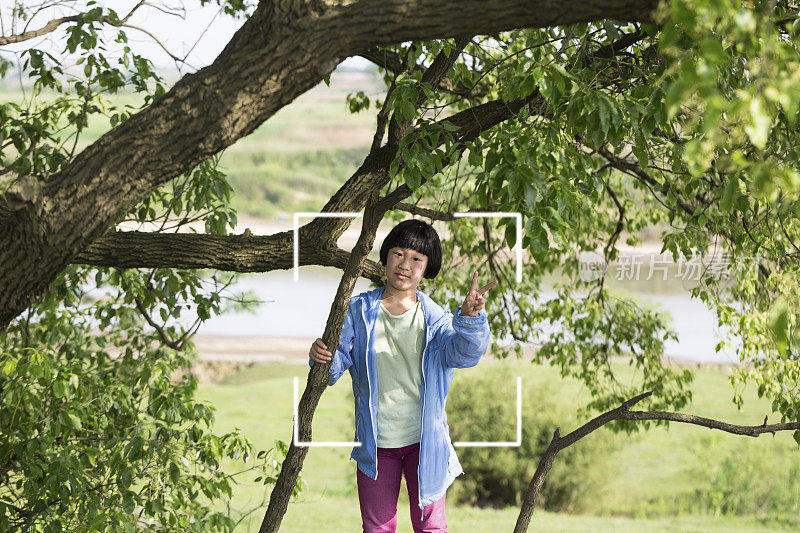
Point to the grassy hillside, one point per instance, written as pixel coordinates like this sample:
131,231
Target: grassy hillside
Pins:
294,161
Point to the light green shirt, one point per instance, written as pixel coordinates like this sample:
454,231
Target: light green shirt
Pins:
399,340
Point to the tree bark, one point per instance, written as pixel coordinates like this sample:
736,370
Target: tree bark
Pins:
234,253
283,50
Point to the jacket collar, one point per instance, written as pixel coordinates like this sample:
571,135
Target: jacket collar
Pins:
433,311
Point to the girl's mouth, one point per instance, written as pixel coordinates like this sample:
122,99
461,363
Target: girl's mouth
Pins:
401,276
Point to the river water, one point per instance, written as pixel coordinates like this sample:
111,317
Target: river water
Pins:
300,309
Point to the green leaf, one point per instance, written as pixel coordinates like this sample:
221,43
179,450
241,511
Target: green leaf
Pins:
413,178
511,235
729,193
540,244
675,97
407,110
639,149
475,157
449,126
59,388
556,216
606,111
74,421
697,156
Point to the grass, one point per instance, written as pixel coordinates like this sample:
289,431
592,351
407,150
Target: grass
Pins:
656,468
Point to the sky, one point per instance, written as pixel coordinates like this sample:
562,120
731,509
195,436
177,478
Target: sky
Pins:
200,31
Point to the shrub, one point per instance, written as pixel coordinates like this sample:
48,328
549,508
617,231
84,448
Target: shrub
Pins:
482,407
738,479
100,428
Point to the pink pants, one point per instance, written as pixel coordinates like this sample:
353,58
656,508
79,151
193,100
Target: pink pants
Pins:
378,497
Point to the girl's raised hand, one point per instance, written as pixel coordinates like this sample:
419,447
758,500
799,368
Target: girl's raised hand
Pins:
319,352
474,301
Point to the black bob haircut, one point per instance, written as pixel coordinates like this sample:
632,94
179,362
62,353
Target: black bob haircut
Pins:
416,235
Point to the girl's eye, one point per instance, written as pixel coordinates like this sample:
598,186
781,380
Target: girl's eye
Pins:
415,259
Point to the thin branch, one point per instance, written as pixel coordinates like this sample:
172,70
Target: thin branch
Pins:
55,23
161,333
432,75
622,412
434,214
382,118
44,30
158,42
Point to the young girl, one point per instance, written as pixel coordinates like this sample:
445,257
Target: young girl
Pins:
401,348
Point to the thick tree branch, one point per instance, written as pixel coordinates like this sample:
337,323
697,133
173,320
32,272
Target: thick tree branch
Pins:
235,253
623,412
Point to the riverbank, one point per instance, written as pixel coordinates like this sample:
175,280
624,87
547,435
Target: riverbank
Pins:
295,349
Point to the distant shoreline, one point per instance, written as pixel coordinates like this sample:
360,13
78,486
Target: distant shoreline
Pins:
295,349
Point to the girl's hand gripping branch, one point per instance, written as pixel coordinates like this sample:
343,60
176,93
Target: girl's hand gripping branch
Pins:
319,352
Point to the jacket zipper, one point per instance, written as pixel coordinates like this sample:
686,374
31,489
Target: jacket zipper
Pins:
422,419
369,393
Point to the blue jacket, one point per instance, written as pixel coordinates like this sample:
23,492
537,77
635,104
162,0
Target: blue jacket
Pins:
451,341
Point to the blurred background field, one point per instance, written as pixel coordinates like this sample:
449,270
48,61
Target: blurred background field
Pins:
681,478
296,160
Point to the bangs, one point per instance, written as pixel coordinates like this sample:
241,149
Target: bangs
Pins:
419,236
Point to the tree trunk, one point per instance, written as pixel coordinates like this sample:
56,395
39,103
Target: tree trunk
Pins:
319,376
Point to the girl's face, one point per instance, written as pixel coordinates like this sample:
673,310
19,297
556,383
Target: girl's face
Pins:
405,268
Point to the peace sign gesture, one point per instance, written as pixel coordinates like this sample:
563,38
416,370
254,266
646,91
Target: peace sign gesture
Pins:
474,301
